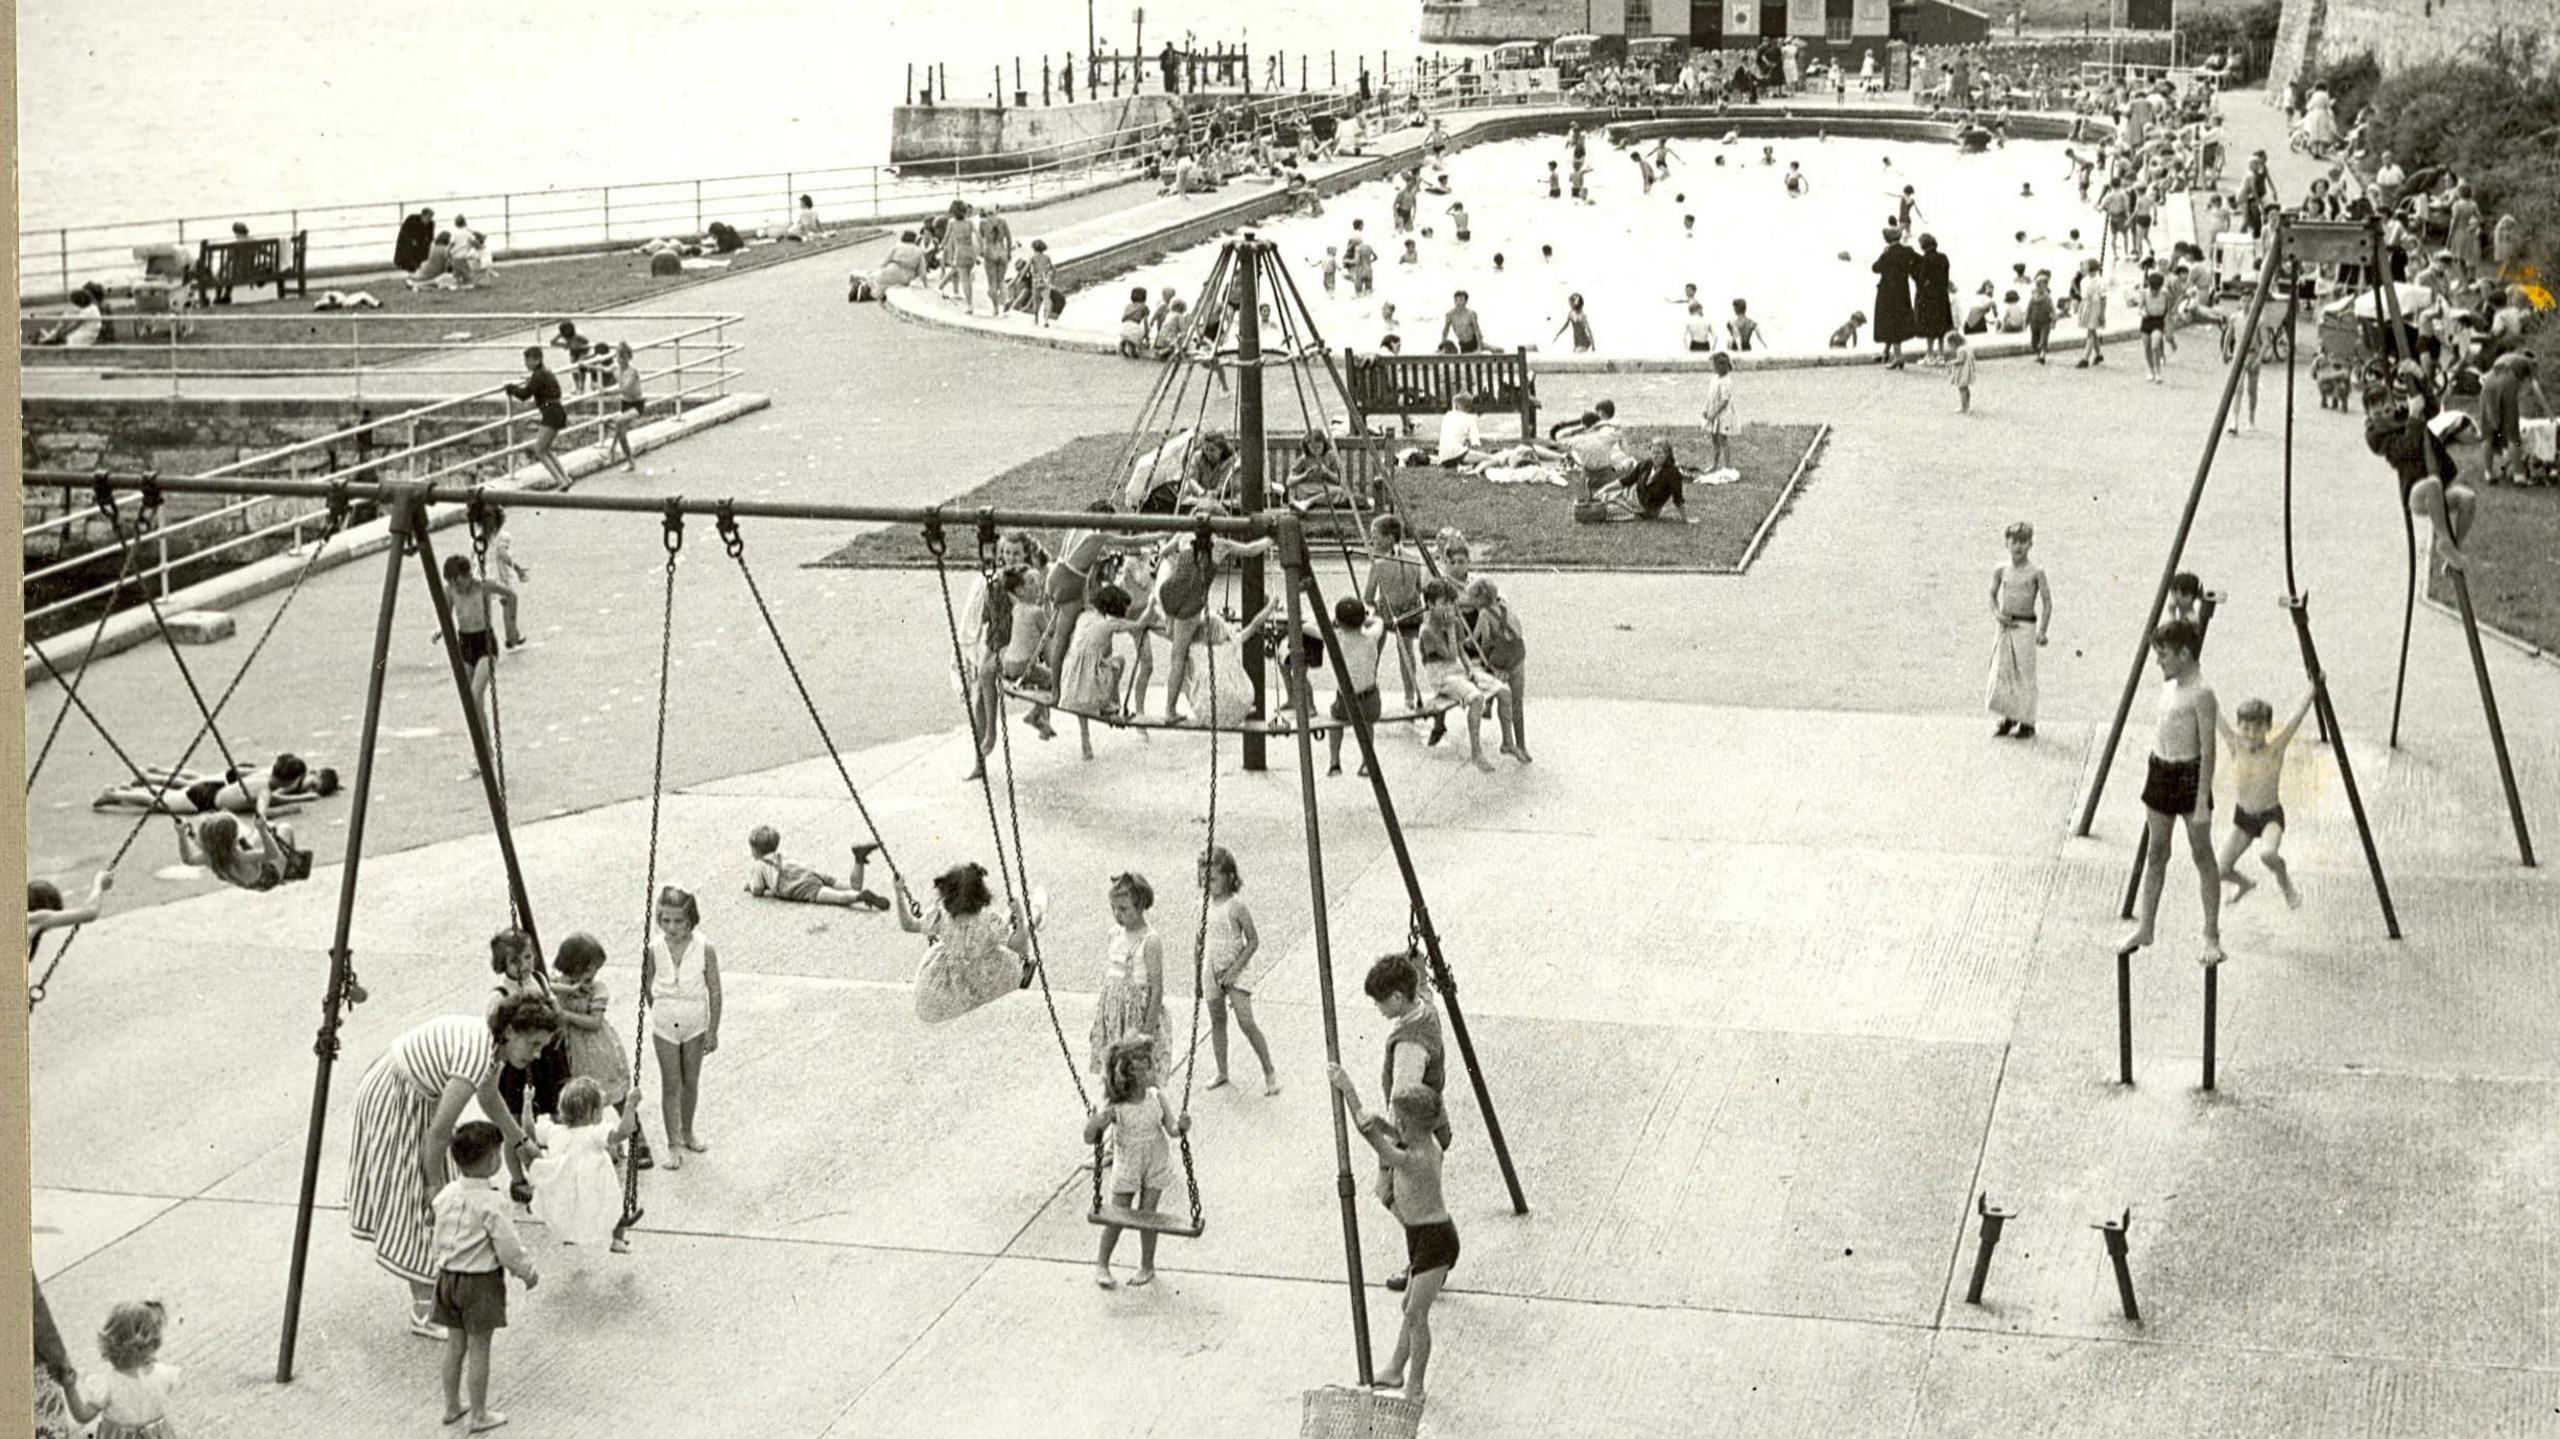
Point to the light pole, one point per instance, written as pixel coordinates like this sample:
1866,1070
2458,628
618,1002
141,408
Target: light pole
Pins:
1089,46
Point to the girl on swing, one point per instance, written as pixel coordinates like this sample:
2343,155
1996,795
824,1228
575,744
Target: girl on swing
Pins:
972,955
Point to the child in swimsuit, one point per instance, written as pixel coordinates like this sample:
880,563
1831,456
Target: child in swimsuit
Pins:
1409,1151
2257,801
2180,786
772,876
1232,942
1394,595
680,988
1142,1127
479,644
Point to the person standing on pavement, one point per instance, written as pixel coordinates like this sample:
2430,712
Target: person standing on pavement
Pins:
543,388
995,253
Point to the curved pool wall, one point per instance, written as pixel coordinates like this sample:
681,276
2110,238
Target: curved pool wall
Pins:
1105,261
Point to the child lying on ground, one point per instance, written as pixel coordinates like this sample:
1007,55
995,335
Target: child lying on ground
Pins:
772,877
289,781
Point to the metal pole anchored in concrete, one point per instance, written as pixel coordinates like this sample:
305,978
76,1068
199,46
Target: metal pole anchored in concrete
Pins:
2114,1231
2124,1016
1993,1217
1245,261
2212,1013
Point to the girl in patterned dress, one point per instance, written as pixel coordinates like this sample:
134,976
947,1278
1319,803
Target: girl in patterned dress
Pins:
972,956
131,1401
1131,1003
595,1048
406,1107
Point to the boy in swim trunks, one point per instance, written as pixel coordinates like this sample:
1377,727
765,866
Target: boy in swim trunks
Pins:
1409,1185
1394,595
772,877
2257,804
2180,786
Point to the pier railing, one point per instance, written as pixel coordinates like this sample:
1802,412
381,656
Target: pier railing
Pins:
358,354
73,560
356,239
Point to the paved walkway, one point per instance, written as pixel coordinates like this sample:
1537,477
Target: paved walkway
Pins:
1861,974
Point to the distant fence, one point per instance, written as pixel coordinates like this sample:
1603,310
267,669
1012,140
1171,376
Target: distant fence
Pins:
357,238
73,560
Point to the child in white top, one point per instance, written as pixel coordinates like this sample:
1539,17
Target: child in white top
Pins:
508,571
1355,686
1232,942
1960,369
575,1189
1142,1127
1719,414
680,986
131,1402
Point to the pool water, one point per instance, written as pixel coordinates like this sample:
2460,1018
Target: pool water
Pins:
1628,254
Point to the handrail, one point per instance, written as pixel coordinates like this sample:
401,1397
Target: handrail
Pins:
602,215
694,368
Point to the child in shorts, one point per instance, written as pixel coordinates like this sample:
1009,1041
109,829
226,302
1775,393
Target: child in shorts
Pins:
1355,685
770,876
1394,594
2180,786
1409,1156
2257,800
476,1247
1506,652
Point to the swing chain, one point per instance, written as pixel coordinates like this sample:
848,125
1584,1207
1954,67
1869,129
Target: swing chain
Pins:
986,542
476,514
934,542
672,531
731,540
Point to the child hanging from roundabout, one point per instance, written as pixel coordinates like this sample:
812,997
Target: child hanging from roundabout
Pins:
972,955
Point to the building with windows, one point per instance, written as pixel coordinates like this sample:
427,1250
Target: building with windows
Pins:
1709,24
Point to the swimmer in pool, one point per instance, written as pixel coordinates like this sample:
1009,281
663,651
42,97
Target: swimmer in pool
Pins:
1795,180
1768,154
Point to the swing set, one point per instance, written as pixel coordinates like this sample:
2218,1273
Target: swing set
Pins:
405,508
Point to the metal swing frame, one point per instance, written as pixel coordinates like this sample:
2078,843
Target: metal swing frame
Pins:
2292,241
404,504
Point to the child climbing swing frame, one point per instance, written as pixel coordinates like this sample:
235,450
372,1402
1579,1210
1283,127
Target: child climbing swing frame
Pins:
2294,242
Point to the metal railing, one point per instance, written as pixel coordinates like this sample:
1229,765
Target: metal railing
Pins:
357,238
480,449
398,348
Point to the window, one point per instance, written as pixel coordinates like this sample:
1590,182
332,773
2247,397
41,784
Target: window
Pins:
1639,17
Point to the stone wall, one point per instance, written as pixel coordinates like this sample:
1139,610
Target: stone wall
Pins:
2398,33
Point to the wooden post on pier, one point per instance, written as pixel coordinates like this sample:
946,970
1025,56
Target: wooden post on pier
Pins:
1332,71
1021,96
1044,80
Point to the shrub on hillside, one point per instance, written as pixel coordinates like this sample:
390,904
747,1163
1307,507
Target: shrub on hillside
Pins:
2495,121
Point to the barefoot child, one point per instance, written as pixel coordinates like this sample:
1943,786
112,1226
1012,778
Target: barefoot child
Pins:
1089,676
1409,1159
680,984
1232,944
132,1401
575,1189
1142,1128
1960,369
476,1248
1719,415
1394,594
2257,803
1448,674
2021,599
970,956
1506,652
770,876
2180,787
1131,1002
1355,686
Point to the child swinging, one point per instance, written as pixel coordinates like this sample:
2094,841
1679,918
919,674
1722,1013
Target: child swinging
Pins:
969,960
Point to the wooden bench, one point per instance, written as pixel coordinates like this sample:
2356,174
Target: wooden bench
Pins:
222,265
1403,385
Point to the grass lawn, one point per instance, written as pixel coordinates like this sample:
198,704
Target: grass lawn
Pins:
410,321
1510,526
2514,549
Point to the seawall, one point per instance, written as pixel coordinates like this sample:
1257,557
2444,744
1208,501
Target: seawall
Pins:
990,139
2398,33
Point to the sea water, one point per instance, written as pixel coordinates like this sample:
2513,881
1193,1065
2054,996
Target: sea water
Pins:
150,109
1802,262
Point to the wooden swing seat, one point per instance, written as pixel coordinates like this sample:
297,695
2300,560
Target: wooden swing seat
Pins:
1152,1221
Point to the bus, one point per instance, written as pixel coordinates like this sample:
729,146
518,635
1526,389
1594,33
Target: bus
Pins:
1573,54
1659,56
1516,55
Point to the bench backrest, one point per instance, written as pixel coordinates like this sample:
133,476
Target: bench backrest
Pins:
241,262
1408,384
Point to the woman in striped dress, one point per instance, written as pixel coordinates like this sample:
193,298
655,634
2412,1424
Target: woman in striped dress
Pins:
406,1109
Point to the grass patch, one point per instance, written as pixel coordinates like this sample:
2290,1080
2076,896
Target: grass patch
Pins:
2514,551
1510,526
410,322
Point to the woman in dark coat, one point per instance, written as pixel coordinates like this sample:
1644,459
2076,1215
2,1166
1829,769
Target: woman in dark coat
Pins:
1893,319
1932,307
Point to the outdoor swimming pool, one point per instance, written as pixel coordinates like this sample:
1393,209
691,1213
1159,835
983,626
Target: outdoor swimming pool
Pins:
1629,254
